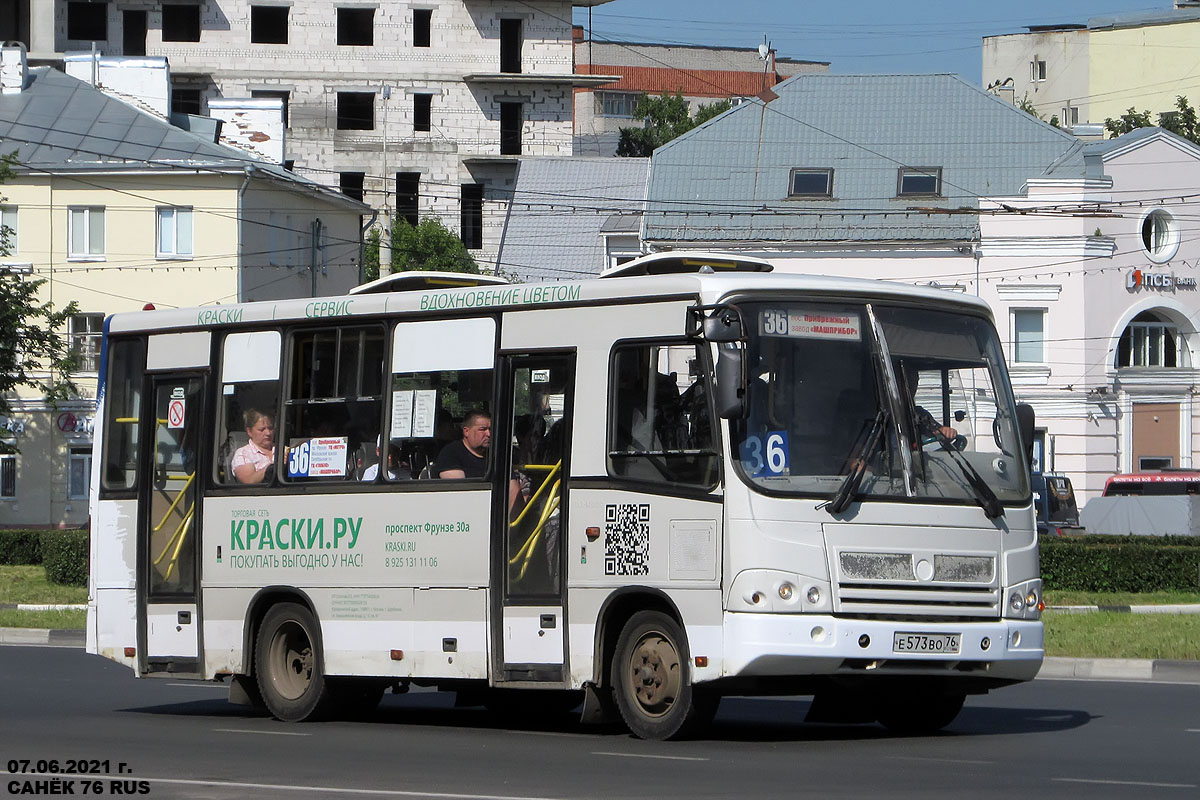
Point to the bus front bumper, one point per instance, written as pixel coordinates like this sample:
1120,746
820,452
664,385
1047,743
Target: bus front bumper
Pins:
772,644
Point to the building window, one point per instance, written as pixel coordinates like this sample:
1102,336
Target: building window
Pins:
1070,115
1160,235
351,184
811,183
85,232
510,129
87,22
269,24
1029,335
8,231
471,217
919,181
408,194
356,27
180,23
1037,70
185,100
174,232
510,45
1149,341
83,335
422,112
356,111
1154,463
274,94
422,25
616,104
79,472
8,475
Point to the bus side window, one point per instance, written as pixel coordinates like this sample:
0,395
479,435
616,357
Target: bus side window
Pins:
334,403
122,412
660,424
441,369
249,398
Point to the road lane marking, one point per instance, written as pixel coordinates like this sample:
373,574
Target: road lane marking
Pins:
265,733
1192,730
646,755
941,760
324,790
1149,784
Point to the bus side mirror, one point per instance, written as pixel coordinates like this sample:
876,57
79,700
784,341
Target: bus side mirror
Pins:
731,382
1025,424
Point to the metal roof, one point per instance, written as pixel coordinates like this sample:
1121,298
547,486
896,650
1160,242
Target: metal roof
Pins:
59,124
560,207
728,179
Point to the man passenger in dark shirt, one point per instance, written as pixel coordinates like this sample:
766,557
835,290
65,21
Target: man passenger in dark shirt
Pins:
467,458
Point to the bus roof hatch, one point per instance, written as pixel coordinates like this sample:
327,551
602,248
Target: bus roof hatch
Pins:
674,262
421,280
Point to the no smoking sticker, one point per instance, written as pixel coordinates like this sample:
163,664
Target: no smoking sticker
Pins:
176,413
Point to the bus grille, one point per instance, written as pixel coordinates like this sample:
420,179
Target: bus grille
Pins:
932,585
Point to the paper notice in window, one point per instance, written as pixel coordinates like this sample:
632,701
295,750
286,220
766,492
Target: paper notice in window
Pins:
402,414
327,457
424,413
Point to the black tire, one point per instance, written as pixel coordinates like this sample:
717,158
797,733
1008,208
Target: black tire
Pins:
919,712
651,683
287,660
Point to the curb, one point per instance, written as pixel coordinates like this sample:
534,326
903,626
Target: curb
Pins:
42,636
1189,608
1095,669
1121,669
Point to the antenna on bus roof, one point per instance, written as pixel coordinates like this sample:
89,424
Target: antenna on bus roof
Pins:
421,280
676,262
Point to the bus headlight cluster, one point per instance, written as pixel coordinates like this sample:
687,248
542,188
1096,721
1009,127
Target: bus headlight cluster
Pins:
1016,602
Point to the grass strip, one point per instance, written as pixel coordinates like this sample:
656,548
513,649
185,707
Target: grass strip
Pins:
1108,634
27,583
52,620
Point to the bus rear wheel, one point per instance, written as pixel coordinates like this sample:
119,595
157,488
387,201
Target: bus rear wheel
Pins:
288,664
650,680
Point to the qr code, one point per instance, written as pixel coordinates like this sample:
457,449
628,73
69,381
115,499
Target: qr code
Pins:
627,539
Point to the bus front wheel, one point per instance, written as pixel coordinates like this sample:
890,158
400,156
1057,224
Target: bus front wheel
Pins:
651,683
288,664
920,711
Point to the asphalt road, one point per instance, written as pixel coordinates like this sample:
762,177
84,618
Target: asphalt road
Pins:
1051,738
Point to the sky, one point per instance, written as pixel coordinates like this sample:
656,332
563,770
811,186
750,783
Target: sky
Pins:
859,36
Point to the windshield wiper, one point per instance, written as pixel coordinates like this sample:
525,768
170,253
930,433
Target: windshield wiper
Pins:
858,459
983,493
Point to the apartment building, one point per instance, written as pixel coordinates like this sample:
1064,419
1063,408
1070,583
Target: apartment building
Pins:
1082,72
417,108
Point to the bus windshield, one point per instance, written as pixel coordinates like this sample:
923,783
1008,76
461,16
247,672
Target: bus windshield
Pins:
878,401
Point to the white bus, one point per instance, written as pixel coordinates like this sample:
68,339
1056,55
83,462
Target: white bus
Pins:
702,479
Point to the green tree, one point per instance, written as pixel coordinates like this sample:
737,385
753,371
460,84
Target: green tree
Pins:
429,245
1181,122
666,117
33,354
371,255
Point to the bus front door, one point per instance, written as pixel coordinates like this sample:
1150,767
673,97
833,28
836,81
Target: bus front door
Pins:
169,526
530,644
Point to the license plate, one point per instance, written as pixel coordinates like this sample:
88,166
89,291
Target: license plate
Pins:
947,643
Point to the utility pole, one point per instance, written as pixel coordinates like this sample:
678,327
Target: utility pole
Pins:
385,239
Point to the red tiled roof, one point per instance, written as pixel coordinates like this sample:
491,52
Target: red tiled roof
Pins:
691,83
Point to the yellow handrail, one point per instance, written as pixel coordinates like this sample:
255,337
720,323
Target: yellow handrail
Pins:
526,551
175,502
177,539
541,488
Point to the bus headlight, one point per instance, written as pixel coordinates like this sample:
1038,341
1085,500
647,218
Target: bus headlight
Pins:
1016,602
785,591
814,595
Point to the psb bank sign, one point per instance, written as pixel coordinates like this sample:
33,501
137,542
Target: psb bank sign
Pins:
1157,281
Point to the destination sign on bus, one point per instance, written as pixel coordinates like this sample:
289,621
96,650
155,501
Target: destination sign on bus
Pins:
801,323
